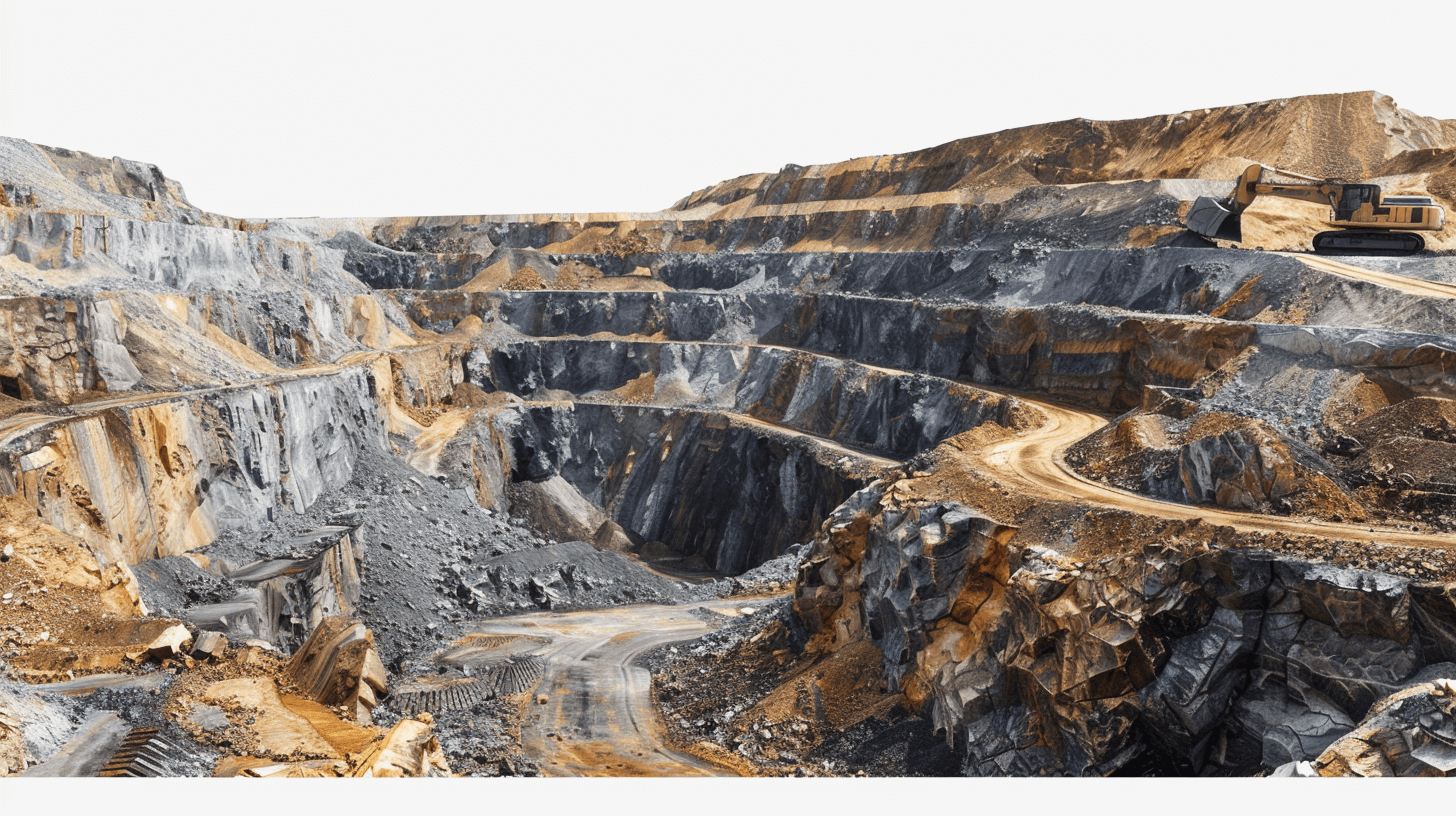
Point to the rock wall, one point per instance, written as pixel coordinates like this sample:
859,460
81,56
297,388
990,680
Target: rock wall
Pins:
891,414
1418,360
384,268
60,180
277,292
721,491
1098,356
156,479
54,350
1183,657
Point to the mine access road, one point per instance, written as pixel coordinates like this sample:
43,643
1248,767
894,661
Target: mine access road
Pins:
592,713
1035,462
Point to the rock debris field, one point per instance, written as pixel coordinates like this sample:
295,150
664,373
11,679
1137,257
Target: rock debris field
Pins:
967,461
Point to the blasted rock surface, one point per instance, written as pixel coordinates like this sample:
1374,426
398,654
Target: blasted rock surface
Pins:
1045,665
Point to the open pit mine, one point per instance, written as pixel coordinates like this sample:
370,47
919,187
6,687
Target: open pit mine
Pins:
974,461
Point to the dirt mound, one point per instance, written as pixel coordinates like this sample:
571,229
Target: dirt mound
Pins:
469,395
526,279
1352,135
574,274
1431,418
1407,461
1358,396
1436,166
624,246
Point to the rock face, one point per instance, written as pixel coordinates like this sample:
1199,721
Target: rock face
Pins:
57,349
338,666
1040,664
195,466
384,268
705,485
1091,355
286,600
1410,733
891,414
1233,470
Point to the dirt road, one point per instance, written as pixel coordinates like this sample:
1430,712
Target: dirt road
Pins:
1412,286
1034,462
592,713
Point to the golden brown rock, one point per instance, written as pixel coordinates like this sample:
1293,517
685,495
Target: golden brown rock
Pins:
276,730
339,666
411,749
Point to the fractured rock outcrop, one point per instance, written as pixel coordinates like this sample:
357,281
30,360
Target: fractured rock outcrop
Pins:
288,599
338,666
1041,664
1412,732
160,479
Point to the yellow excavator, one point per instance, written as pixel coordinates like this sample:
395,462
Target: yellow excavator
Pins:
1366,222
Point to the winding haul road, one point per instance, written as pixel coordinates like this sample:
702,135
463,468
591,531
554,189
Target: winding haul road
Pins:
592,713
1034,462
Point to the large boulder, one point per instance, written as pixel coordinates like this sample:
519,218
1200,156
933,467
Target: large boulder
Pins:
1412,732
1238,469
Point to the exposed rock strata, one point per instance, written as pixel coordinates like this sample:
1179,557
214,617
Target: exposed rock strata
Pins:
704,485
194,465
1040,663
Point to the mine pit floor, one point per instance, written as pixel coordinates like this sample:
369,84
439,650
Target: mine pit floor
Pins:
592,713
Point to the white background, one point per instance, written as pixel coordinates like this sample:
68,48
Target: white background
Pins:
420,107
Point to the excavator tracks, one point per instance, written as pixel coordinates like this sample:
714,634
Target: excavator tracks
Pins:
1368,242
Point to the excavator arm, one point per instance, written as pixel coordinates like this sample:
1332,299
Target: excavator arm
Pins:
1219,219
1367,222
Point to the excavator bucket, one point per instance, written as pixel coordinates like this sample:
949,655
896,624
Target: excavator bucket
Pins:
1211,219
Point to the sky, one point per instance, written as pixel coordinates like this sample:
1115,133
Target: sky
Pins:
272,109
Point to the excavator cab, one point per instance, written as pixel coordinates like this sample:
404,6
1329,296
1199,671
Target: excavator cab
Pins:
1355,197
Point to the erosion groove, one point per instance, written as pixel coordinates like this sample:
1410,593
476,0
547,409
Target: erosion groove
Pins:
969,461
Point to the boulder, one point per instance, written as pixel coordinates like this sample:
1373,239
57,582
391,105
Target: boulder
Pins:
339,666
169,643
411,749
1237,469
1412,732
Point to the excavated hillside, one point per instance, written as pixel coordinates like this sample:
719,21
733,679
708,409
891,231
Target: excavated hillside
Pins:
971,461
